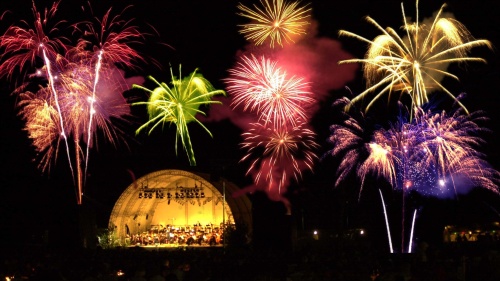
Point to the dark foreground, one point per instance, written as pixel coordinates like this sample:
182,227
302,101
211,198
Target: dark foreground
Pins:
313,261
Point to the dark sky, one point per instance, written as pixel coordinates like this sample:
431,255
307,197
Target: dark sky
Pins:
204,34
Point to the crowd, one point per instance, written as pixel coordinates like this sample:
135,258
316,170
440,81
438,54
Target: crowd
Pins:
311,261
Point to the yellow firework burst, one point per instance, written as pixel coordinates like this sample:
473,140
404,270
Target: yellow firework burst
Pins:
277,21
415,63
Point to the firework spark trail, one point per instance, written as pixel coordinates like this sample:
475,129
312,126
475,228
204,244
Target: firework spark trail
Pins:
422,149
112,38
434,154
92,100
259,86
278,22
386,223
61,121
92,110
22,46
414,64
74,85
74,99
279,145
179,105
420,154
272,178
411,233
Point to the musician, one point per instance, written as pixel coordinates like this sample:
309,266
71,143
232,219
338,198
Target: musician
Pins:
199,240
190,240
212,241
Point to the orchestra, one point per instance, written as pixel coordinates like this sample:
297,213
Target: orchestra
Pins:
158,235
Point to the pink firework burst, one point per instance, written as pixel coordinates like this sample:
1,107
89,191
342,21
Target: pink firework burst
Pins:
83,86
23,44
278,153
259,85
75,88
111,38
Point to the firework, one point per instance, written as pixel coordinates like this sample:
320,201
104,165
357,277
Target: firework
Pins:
75,87
347,140
110,43
178,105
81,98
111,38
277,153
421,155
258,85
42,125
415,63
81,84
23,45
277,22
433,154
443,148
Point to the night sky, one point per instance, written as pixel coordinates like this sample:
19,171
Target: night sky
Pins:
204,35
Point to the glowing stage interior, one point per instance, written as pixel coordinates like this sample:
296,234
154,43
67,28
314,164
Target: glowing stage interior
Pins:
169,201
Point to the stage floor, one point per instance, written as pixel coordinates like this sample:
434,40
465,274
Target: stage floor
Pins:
175,246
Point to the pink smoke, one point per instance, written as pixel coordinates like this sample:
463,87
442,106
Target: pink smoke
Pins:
270,179
313,58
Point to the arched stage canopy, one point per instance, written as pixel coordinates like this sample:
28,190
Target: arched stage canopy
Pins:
178,198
